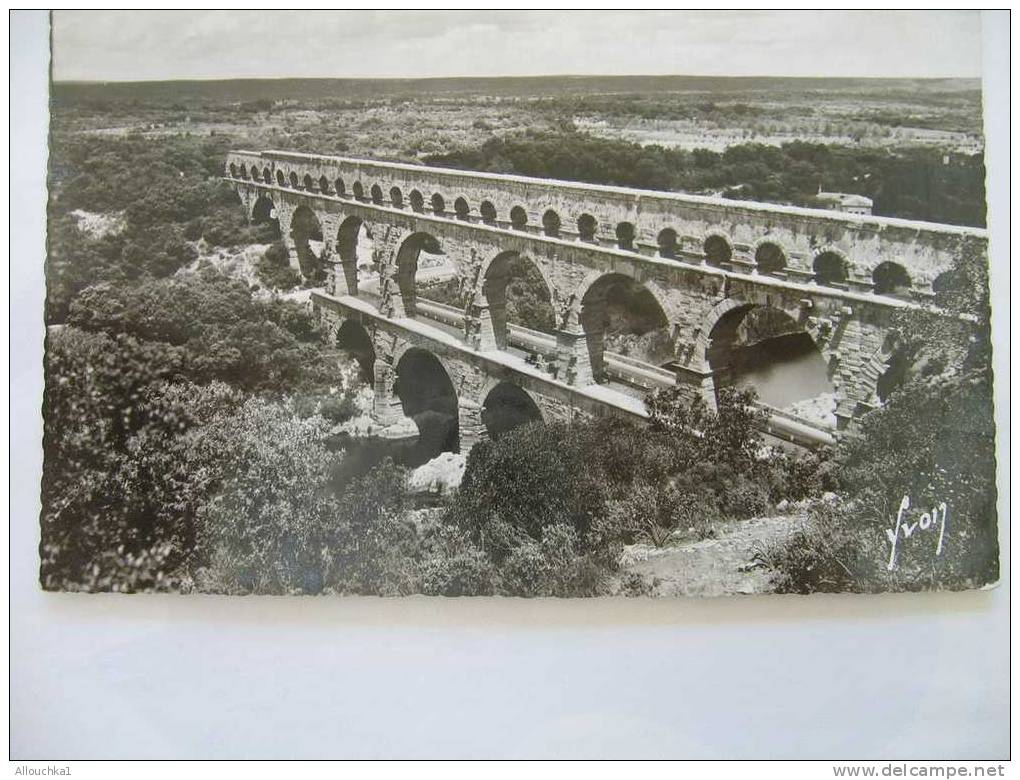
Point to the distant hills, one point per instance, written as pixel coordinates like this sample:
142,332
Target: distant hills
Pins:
305,89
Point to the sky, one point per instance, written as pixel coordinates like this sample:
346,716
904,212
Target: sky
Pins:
146,45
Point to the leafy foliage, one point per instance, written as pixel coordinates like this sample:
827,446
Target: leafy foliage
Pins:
933,442
274,269
223,332
915,183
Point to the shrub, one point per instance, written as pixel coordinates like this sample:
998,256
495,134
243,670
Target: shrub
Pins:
274,270
655,514
272,523
556,565
933,442
93,499
452,565
531,478
339,407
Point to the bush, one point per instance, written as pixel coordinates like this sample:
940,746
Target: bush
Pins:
339,407
452,565
224,333
657,514
273,525
556,565
531,478
933,442
274,270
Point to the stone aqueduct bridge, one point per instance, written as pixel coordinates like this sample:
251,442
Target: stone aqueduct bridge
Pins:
706,261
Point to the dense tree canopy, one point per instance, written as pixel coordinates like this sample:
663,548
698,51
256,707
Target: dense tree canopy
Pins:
916,183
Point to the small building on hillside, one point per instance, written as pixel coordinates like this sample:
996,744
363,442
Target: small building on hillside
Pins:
845,201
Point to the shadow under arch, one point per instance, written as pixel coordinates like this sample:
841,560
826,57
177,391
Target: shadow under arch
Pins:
831,268
353,339
408,258
764,348
428,397
354,248
769,258
508,406
891,278
264,213
517,292
623,315
306,233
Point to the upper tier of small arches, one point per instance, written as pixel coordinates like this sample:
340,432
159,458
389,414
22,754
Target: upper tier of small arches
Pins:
822,262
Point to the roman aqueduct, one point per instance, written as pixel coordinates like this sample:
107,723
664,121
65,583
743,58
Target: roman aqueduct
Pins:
706,262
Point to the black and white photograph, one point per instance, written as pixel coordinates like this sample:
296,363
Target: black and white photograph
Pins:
571,336
510,384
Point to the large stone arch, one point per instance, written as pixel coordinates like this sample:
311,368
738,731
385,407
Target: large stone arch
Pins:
727,305
307,236
353,338
592,306
592,278
349,237
403,293
800,364
427,394
504,405
263,212
495,276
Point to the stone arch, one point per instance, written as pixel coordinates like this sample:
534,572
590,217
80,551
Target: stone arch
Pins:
376,193
626,234
891,278
353,339
428,396
668,243
407,267
587,228
267,175
353,232
309,183
754,343
263,212
769,256
501,274
505,406
487,212
306,233
551,223
438,204
233,171
324,185
281,179
358,190
518,218
294,182
417,201
244,171
605,299
831,267
718,249
461,209
396,198
339,186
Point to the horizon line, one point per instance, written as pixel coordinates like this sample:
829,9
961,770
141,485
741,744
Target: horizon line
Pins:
205,79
